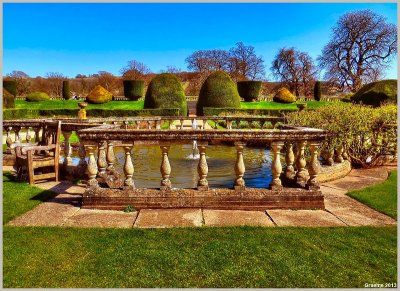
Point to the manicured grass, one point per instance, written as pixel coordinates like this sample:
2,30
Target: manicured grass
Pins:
73,104
19,197
382,197
202,257
277,106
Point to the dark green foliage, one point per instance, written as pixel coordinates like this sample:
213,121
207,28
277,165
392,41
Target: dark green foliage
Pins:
249,90
376,93
10,86
37,96
65,90
8,99
210,111
166,91
133,89
218,90
317,91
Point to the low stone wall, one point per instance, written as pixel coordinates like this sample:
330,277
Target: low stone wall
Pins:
334,172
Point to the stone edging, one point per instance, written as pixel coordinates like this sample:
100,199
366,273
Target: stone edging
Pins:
334,172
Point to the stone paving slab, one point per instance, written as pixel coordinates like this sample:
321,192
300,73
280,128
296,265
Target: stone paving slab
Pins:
235,217
162,218
304,218
101,218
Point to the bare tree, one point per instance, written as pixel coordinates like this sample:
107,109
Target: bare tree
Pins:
55,82
22,81
134,70
108,81
245,64
295,70
361,46
205,61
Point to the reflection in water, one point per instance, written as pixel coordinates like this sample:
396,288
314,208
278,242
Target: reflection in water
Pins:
220,159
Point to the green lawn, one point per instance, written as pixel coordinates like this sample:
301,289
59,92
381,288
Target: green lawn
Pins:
275,105
382,197
73,104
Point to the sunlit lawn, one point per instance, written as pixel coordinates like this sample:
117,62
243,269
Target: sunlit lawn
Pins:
73,104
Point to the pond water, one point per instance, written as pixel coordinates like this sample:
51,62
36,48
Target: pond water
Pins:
220,159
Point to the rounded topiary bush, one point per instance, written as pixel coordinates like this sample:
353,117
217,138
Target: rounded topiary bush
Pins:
218,91
133,89
10,86
37,96
65,90
99,95
249,90
376,93
166,91
284,96
8,99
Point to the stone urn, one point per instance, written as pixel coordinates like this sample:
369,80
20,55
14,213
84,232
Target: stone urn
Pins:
82,111
301,106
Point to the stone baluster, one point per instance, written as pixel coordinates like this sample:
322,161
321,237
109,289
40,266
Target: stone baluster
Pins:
82,161
8,139
170,124
110,155
28,135
101,160
229,124
37,137
92,167
276,183
338,156
158,124
182,121
313,167
137,124
289,158
165,168
67,149
17,136
301,164
239,166
330,154
202,167
128,168
262,123
148,124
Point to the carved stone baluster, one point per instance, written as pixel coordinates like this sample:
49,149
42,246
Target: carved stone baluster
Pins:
182,121
16,131
229,124
92,167
148,124
345,155
313,167
339,152
301,164
37,137
330,155
102,161
110,156
67,149
28,135
82,166
8,139
202,167
276,183
128,168
289,158
239,166
158,124
165,168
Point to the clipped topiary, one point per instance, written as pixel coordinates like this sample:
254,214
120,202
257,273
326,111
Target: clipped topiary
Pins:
8,99
166,91
133,89
376,93
99,95
65,90
249,90
317,91
218,91
37,96
284,96
10,86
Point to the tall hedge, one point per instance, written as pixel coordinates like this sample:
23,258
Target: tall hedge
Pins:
8,99
166,91
317,91
217,91
377,93
133,89
10,86
65,90
249,90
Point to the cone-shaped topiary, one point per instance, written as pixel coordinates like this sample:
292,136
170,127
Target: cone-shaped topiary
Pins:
99,95
376,93
284,96
8,99
218,91
249,90
65,90
317,91
37,96
133,89
10,86
166,91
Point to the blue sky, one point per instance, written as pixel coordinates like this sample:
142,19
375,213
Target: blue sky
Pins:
73,38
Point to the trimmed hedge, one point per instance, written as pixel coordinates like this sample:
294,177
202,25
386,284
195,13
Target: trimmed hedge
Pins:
37,96
249,90
317,91
218,91
376,93
10,86
40,113
166,91
99,95
8,99
210,111
65,90
133,89
284,96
